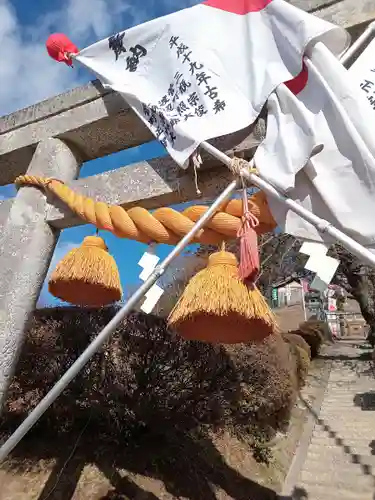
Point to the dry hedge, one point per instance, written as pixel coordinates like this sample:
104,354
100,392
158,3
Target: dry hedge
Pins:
297,340
314,333
301,353
148,380
318,326
302,362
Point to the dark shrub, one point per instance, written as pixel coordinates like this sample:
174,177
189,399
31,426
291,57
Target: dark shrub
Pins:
297,340
148,380
312,336
302,363
318,326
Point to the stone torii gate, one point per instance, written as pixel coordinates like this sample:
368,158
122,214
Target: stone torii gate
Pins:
53,138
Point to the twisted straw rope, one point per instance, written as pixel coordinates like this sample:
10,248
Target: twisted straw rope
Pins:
164,225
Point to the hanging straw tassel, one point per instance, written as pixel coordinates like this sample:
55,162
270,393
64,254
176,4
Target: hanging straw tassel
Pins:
217,307
249,254
87,276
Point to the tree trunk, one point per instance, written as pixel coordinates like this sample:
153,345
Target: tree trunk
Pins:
359,281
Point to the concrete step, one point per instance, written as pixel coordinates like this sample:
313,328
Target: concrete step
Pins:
318,466
344,399
346,428
339,403
345,418
354,389
337,457
363,385
353,381
350,392
357,440
332,448
353,481
346,432
323,492
337,408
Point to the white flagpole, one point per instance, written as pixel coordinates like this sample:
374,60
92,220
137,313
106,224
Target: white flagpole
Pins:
358,44
303,303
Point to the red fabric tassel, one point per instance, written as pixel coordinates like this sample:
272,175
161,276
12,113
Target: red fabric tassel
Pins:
249,255
60,48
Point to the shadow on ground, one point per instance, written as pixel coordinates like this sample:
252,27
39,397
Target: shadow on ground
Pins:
365,401
189,468
298,494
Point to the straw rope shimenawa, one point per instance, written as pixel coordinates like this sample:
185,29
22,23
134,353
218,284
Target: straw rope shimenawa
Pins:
164,225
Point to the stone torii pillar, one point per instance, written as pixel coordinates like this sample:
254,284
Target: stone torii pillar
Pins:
27,243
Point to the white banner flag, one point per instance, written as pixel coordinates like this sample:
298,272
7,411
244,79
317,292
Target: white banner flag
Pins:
363,73
207,71
324,106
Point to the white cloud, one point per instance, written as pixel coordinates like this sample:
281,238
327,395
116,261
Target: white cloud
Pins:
27,74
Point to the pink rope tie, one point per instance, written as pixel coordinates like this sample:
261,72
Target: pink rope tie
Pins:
249,255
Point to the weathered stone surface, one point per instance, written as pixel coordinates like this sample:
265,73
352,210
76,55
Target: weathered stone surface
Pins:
96,128
348,13
53,106
27,243
4,211
310,5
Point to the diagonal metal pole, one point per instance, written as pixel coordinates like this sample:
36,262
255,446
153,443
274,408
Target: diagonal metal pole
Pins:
107,331
358,44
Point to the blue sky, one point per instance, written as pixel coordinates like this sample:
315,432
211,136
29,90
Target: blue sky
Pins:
28,75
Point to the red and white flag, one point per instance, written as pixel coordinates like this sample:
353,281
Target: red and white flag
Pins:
208,70
323,110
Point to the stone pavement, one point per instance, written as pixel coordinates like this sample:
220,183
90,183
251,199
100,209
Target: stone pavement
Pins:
335,458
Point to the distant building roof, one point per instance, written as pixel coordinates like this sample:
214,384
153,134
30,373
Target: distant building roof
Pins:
286,281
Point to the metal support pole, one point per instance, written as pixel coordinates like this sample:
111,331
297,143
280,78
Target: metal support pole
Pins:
303,303
107,331
321,225
358,44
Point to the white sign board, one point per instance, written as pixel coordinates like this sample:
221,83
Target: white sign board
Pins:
319,263
149,262
363,72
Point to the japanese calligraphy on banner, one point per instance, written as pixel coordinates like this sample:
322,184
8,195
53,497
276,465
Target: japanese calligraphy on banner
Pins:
363,72
208,70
